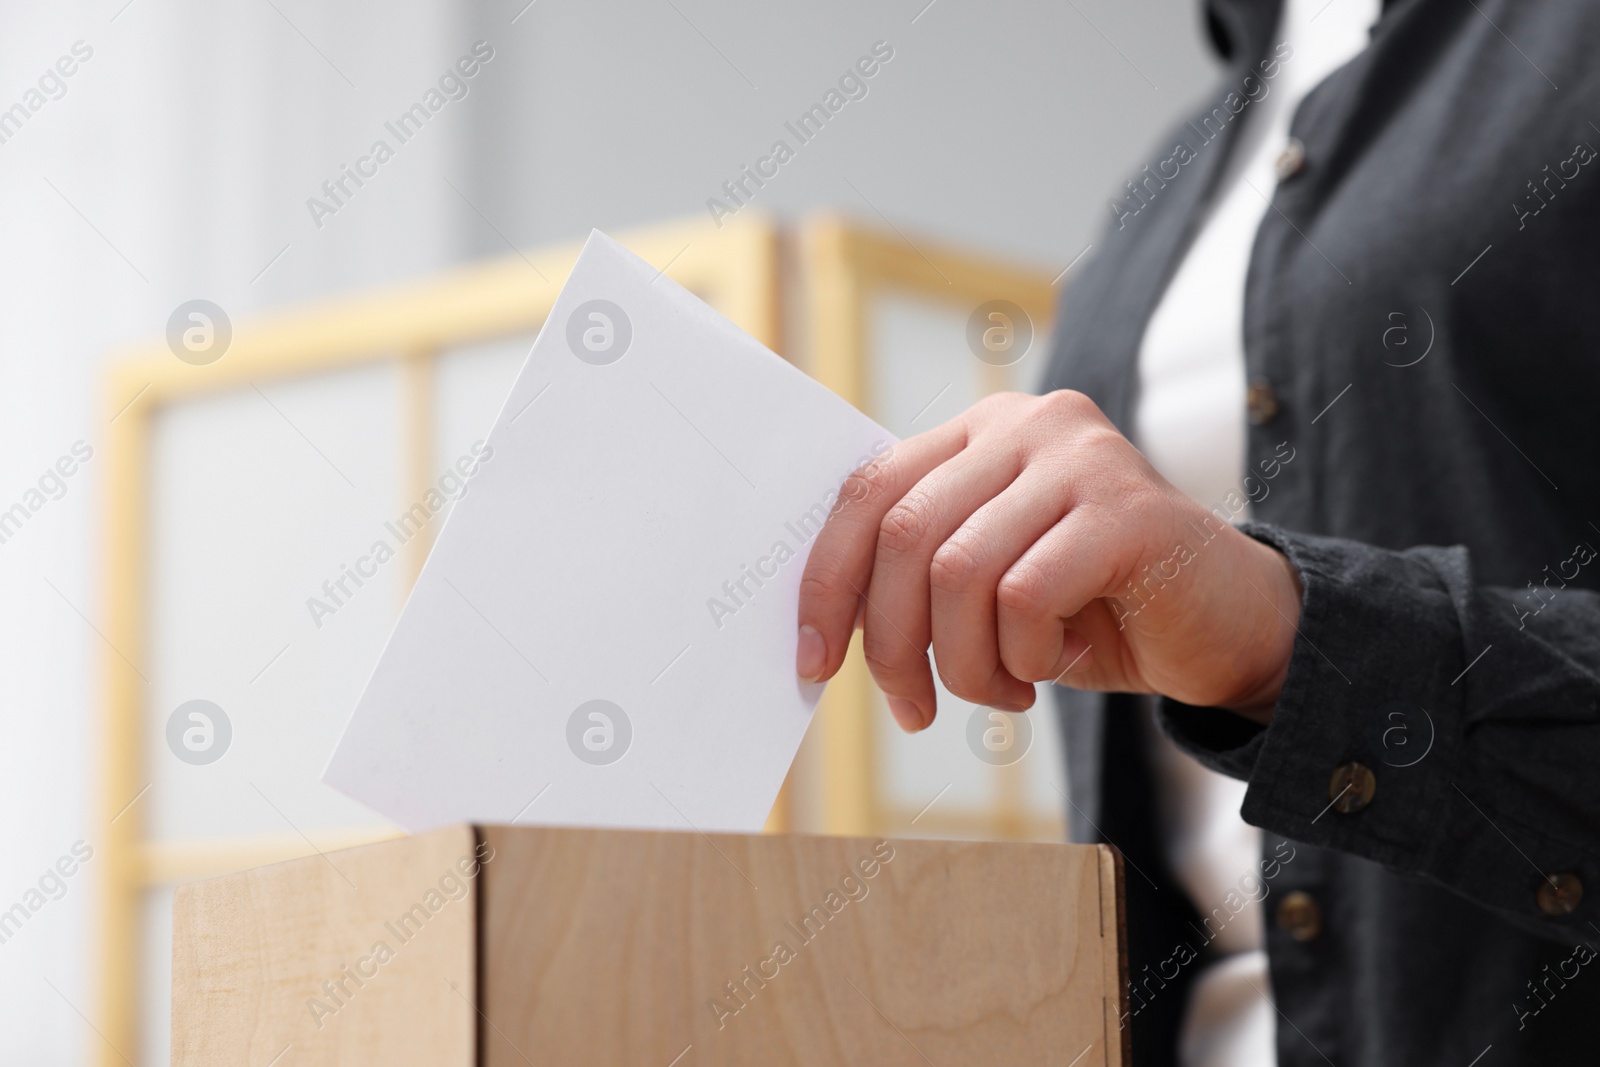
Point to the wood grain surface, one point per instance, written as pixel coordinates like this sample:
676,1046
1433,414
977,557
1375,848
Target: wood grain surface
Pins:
640,948
281,965
570,946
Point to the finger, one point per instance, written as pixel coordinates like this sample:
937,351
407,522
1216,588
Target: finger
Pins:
898,629
963,580
1093,628
1080,558
839,567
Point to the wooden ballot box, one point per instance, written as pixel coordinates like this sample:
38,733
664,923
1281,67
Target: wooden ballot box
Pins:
498,946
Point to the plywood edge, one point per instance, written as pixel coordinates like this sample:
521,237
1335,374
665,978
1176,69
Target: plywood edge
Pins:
198,859
497,833
1114,935
391,844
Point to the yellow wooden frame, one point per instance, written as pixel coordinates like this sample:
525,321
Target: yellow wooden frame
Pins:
846,267
736,267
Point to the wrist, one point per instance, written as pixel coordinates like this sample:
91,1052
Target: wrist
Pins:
1275,596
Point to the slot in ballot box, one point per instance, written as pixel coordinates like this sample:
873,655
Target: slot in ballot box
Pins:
503,946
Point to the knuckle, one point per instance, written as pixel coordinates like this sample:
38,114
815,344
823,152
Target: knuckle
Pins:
955,566
869,483
823,581
1070,403
906,525
1104,439
1075,414
888,663
1022,591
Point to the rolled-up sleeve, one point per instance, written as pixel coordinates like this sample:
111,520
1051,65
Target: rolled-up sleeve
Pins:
1477,718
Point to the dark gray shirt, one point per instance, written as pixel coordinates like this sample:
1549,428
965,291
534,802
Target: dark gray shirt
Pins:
1419,332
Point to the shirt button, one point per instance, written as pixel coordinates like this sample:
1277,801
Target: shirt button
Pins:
1291,161
1299,916
1351,788
1260,402
1559,894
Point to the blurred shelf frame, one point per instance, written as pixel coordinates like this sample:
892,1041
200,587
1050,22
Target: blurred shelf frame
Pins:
751,269
846,268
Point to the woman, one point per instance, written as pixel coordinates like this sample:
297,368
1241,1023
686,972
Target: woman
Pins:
1326,641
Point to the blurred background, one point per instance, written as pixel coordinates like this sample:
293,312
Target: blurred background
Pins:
171,499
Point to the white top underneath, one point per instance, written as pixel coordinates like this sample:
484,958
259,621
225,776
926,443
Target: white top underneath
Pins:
1190,422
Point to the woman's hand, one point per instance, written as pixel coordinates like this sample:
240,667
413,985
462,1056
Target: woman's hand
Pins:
1027,540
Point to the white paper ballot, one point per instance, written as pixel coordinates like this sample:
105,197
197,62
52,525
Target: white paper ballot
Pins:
604,634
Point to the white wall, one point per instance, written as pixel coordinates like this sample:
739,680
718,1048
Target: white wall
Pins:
1003,125
178,162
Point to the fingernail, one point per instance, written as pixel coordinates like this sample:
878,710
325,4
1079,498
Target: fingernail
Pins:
1009,707
811,657
907,714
